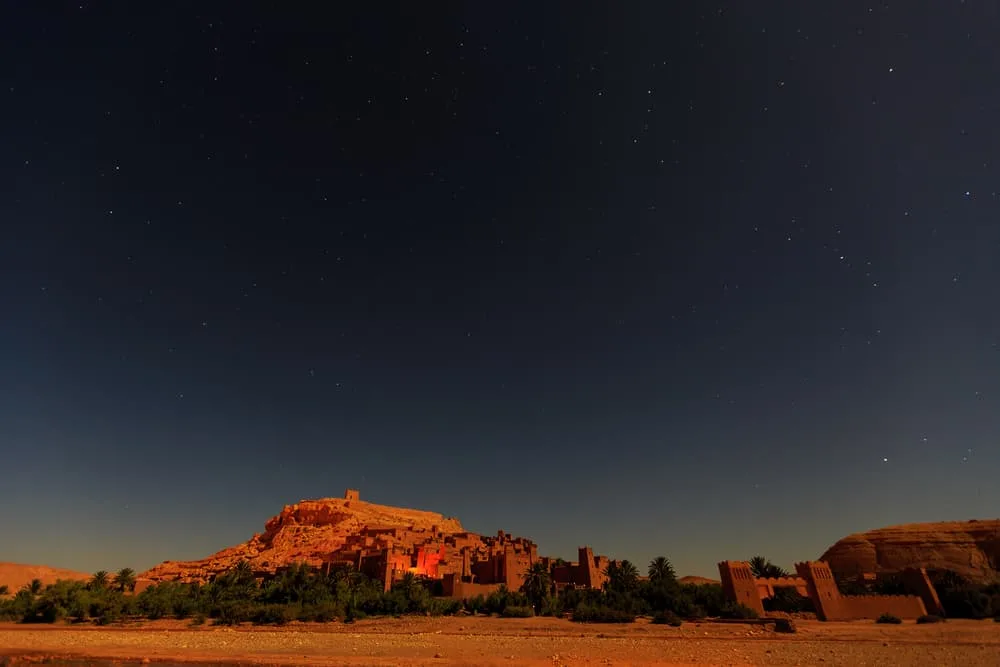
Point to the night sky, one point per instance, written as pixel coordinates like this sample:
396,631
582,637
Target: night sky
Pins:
703,282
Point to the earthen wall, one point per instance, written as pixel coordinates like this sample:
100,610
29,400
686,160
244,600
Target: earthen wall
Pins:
853,607
453,587
739,584
832,606
917,581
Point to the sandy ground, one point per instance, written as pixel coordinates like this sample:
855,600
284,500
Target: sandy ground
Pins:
531,642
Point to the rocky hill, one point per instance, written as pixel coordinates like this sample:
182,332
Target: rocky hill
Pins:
15,575
314,531
970,548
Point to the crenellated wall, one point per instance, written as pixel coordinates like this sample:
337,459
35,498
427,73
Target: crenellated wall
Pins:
832,606
816,580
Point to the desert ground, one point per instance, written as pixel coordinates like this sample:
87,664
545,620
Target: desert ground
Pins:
412,642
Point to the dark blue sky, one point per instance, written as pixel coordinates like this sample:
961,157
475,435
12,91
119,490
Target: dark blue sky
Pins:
702,282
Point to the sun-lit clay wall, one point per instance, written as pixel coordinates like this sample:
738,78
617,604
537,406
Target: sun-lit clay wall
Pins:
591,573
739,584
766,587
515,566
587,572
429,560
916,580
854,607
453,587
832,606
565,575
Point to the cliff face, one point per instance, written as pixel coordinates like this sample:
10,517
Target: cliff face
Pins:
970,548
313,531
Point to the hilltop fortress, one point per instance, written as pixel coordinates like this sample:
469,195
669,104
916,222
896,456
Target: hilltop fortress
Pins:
385,543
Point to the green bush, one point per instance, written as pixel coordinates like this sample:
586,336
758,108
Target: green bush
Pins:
154,602
586,613
322,612
108,616
737,611
788,600
685,608
183,607
52,613
705,600
444,607
962,598
275,614
502,598
551,607
667,618
198,618
107,607
929,618
233,613
475,605
512,611
889,618
77,610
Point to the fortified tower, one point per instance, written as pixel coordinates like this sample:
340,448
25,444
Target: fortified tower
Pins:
740,585
352,495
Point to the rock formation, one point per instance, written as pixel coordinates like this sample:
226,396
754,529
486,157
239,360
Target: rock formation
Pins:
970,548
328,530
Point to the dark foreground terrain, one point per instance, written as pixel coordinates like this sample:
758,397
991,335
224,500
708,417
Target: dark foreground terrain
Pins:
495,641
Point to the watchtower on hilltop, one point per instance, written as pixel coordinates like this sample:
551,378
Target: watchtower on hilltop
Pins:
352,494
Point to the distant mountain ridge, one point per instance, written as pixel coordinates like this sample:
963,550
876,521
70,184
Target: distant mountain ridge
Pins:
16,575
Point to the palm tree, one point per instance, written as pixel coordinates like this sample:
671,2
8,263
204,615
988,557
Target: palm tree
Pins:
99,581
242,575
406,584
125,579
32,588
243,570
623,577
295,581
342,571
537,584
661,571
629,574
762,568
